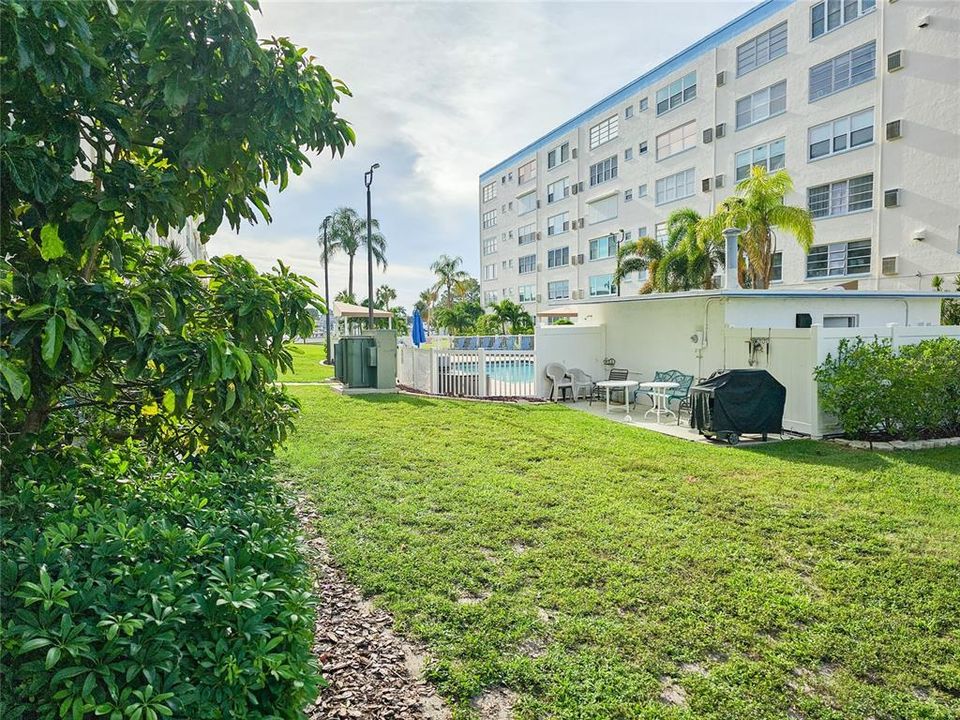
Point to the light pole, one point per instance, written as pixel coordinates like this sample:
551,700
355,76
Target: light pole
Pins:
619,243
326,285
368,180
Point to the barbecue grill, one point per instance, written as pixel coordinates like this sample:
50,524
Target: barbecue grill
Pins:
732,403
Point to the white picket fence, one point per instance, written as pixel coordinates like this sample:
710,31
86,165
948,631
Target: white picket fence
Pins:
468,373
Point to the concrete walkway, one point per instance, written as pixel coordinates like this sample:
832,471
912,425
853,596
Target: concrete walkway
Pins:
666,426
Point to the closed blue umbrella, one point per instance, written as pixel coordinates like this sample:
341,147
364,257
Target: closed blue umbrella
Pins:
417,333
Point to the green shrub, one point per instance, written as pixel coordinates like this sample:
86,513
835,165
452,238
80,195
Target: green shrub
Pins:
874,391
141,588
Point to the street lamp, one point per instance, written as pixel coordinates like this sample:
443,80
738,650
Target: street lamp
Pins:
326,284
368,180
619,241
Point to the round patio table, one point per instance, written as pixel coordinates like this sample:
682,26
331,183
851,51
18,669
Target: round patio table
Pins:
658,390
626,386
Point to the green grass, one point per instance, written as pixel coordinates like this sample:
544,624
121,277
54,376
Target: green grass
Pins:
600,561
308,363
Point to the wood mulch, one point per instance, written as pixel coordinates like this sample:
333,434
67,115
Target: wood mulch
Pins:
371,672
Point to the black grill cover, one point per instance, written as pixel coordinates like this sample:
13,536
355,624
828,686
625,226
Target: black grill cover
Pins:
739,401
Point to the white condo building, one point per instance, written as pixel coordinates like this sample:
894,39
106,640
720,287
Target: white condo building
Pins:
858,99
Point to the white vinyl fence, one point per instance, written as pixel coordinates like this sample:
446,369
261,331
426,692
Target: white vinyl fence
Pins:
468,373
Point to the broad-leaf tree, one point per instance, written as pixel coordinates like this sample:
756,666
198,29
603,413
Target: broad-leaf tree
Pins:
348,235
122,117
758,209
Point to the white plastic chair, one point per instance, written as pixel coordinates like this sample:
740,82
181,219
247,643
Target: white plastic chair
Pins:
582,383
557,375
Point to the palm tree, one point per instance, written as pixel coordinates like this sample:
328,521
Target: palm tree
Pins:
348,234
428,298
448,272
638,255
757,208
384,296
508,312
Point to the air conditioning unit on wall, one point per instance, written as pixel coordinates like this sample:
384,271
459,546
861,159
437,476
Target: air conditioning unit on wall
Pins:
888,265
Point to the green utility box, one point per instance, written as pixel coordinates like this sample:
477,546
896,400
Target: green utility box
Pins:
367,361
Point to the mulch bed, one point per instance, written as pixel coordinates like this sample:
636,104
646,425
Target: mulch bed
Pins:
371,672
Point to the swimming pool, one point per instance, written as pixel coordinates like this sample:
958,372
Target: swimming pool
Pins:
506,371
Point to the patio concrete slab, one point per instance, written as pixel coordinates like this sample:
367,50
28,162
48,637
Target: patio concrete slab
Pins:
666,426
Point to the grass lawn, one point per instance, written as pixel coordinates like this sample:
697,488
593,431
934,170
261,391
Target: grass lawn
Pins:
307,363
594,568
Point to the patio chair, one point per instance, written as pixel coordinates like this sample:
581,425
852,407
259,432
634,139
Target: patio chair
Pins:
488,343
459,342
582,383
526,342
510,342
470,343
557,375
681,393
597,392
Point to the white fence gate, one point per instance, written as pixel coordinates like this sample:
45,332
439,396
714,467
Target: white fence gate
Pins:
468,373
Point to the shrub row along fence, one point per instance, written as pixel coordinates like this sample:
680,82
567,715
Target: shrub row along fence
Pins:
468,373
879,391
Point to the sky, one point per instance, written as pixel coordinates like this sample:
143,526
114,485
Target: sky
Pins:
442,91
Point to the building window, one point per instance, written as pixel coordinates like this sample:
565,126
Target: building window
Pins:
527,293
841,198
527,171
604,247
558,190
489,297
644,104
558,290
489,246
841,321
677,140
762,104
844,71
831,14
776,267
557,224
601,210
604,131
490,271
489,191
558,257
840,135
628,153
674,187
526,234
526,203
628,112
770,156
527,264
628,195
677,93
604,170
762,49
642,149
642,191
845,258
602,285
559,154
660,233
642,231
489,219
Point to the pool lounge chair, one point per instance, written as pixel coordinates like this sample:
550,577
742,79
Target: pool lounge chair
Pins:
526,342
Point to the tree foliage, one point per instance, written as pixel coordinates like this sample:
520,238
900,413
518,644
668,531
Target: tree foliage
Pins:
758,209
508,314
348,235
127,117
450,275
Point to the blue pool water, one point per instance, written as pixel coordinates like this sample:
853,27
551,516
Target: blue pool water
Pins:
513,372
